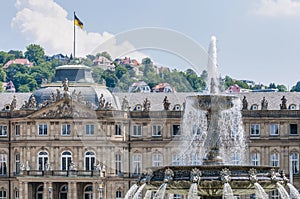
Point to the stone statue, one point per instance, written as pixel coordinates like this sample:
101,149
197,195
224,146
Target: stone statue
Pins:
58,96
80,97
101,103
147,105
22,167
72,167
283,103
125,104
245,103
13,103
47,166
108,106
27,166
264,104
66,84
166,103
52,97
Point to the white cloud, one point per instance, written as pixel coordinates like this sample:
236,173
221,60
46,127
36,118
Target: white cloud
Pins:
46,23
278,8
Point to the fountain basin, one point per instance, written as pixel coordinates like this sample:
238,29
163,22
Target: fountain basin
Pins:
212,102
211,179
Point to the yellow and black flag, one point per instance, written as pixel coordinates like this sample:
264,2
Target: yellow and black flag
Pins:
77,21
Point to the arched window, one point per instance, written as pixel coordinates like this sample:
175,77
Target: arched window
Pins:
235,158
88,192
63,192
118,161
294,160
156,159
17,163
39,192
196,159
66,159
175,159
274,159
3,164
42,160
137,164
3,194
89,160
118,194
255,159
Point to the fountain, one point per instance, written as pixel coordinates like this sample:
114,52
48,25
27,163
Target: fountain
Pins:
212,161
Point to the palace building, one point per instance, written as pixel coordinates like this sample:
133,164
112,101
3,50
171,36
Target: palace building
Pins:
73,139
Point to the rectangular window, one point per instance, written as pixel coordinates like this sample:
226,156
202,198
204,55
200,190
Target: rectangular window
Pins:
196,159
17,195
2,194
66,129
176,129
255,159
137,164
274,160
3,130
118,129
17,130
254,129
89,129
118,195
274,129
137,130
118,164
156,130
293,129
43,129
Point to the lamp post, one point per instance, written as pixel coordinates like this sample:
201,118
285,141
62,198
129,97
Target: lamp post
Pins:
50,189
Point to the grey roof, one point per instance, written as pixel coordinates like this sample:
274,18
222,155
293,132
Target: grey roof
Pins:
156,99
6,98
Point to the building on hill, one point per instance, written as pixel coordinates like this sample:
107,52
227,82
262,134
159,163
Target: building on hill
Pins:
73,139
139,87
163,87
24,62
233,89
9,87
104,63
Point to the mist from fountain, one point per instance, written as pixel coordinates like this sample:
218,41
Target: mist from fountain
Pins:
260,192
161,191
213,140
139,191
283,193
227,191
131,191
148,194
193,192
293,191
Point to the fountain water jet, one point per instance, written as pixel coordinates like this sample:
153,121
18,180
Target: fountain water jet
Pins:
212,151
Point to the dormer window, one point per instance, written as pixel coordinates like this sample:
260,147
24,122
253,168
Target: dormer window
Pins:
293,107
254,107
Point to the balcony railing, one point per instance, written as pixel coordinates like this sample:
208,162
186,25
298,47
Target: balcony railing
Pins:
62,173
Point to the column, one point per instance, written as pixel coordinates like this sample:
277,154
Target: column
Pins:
21,189
25,190
72,190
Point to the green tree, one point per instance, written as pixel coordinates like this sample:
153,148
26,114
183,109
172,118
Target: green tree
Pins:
35,53
120,71
5,57
272,85
23,88
17,53
296,88
25,79
104,54
2,75
281,88
13,69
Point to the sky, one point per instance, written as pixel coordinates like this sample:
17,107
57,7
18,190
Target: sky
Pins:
257,40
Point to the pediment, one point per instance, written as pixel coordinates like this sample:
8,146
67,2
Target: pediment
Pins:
65,109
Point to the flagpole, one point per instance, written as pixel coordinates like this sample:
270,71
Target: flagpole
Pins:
74,37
